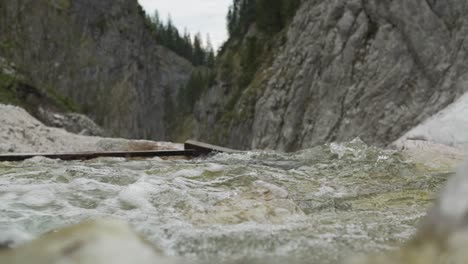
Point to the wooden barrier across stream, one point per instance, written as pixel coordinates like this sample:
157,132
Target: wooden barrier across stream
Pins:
191,149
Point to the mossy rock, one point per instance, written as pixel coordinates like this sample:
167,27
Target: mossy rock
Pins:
60,4
15,91
7,90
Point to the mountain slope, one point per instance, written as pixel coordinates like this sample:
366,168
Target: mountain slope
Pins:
343,69
100,54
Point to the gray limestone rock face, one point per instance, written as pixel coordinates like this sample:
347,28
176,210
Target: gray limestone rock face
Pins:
71,122
372,69
101,54
357,68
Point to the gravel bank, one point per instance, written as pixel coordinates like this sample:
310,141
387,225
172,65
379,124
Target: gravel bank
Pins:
22,133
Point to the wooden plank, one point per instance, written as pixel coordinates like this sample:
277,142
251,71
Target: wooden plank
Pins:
205,148
192,148
93,155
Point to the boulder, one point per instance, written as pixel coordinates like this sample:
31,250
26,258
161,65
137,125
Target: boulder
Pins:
92,242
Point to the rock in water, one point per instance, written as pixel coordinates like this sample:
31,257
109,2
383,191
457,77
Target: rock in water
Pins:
443,234
93,242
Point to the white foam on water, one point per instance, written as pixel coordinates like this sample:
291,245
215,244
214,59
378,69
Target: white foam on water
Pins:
8,196
275,190
38,198
84,184
136,195
40,159
109,159
14,236
190,173
247,204
325,190
24,187
213,167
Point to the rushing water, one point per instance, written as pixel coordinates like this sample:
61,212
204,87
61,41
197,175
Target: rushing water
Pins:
315,206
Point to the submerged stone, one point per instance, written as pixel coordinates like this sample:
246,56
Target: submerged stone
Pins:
92,242
442,236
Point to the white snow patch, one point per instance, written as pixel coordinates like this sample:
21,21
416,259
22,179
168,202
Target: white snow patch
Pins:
448,127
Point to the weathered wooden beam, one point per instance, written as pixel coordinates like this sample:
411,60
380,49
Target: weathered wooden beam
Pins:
205,148
93,155
191,149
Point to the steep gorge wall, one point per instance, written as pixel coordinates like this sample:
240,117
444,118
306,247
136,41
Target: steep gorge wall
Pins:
100,54
348,68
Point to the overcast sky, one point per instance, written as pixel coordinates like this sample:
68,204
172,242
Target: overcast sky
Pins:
204,16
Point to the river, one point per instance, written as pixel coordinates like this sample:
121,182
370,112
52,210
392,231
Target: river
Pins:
318,205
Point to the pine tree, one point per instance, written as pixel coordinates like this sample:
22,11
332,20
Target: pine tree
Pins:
170,34
269,16
231,21
166,34
209,56
289,8
249,60
198,53
246,14
156,20
240,15
188,47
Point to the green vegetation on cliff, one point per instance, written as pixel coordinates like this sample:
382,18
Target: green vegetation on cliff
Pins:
103,55
228,94
15,91
198,82
7,94
254,27
184,45
270,16
179,113
256,31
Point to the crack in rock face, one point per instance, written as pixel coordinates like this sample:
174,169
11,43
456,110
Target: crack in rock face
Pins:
372,69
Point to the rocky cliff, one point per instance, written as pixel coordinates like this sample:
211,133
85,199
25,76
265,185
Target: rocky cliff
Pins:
341,69
99,54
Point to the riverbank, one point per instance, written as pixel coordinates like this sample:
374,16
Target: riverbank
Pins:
447,127
22,133
441,140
